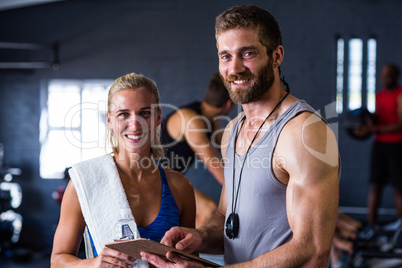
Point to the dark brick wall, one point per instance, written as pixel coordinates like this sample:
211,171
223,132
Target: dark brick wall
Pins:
173,43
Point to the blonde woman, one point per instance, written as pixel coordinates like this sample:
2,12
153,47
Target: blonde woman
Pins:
130,177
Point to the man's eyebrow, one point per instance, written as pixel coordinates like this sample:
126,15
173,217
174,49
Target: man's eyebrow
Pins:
238,50
247,48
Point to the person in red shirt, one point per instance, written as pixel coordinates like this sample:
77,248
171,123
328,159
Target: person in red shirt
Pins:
386,159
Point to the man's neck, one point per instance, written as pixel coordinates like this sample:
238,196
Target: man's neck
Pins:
265,105
392,87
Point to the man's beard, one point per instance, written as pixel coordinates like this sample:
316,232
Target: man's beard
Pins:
242,95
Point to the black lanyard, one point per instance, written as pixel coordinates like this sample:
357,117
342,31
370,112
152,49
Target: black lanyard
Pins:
232,223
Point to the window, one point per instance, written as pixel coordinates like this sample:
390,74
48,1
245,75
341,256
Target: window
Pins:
355,73
356,69
371,65
339,75
73,121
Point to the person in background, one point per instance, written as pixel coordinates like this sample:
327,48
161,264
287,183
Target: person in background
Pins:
279,202
195,130
386,155
130,177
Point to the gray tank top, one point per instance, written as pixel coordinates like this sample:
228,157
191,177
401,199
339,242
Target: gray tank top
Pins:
261,203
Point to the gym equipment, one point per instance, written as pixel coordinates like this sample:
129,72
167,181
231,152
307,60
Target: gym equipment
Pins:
358,117
376,244
10,199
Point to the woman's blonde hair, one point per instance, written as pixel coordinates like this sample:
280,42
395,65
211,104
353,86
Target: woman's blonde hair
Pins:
134,81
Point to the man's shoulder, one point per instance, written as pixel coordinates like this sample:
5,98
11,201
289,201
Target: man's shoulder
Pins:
300,112
187,111
182,116
189,107
308,132
192,107
303,119
381,92
384,91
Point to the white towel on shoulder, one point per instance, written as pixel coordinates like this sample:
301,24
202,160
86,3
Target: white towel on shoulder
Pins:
101,195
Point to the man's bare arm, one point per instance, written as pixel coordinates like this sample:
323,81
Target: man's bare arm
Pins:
195,128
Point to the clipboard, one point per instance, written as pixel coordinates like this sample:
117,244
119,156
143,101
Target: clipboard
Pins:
133,247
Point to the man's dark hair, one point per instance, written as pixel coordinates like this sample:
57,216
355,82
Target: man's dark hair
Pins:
251,17
395,69
217,94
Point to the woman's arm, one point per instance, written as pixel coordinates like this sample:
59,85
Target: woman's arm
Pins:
68,237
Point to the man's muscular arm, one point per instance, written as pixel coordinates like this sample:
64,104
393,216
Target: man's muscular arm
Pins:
193,128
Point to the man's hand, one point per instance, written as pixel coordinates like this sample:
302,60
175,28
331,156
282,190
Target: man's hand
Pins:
174,261
181,238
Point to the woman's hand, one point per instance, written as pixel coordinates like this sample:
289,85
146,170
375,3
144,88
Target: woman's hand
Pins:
112,258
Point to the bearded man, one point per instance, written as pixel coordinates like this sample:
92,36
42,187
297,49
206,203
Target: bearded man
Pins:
279,202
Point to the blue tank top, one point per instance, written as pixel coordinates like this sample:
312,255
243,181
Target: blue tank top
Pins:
168,216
